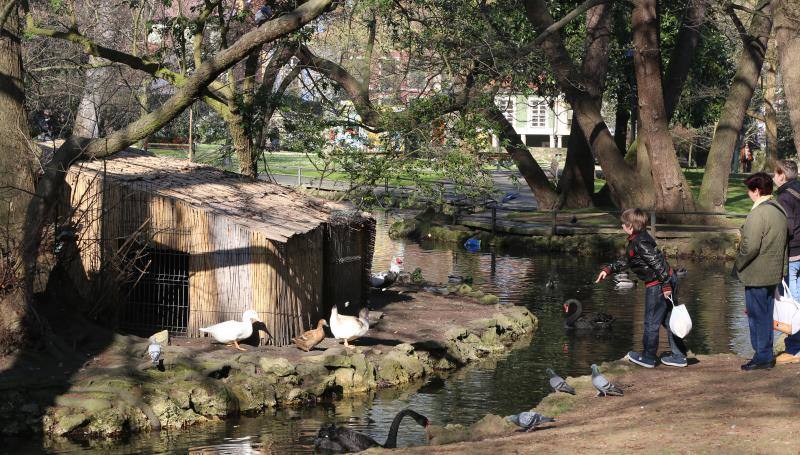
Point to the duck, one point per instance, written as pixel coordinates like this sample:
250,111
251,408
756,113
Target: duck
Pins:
310,338
231,332
588,321
681,272
458,279
550,284
348,328
383,280
331,437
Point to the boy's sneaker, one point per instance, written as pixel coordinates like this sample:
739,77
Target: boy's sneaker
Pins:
640,359
674,360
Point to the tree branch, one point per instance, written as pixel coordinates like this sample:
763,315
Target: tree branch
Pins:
683,53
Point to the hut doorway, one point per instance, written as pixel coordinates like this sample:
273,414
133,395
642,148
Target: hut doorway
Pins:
157,292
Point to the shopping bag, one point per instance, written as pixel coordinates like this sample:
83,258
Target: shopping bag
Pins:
680,323
786,313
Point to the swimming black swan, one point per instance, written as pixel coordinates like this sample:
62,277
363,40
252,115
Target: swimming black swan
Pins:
588,321
346,440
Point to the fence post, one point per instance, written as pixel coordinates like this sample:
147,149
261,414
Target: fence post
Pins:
553,227
653,223
494,219
299,176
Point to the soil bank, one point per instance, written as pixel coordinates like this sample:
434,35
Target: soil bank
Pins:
118,391
709,407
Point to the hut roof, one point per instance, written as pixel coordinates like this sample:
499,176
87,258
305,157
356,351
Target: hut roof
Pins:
277,211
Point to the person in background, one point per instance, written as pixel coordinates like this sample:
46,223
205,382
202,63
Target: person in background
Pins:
746,158
788,195
761,263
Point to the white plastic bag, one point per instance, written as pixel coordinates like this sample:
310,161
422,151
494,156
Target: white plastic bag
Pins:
680,323
786,314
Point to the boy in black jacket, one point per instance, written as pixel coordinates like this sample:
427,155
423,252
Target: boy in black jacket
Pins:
650,265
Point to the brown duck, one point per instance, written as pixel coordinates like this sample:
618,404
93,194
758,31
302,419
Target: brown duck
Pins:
311,338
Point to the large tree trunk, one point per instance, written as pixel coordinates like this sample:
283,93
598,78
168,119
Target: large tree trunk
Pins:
533,174
623,183
16,181
672,191
787,37
97,89
714,189
622,117
683,54
577,185
770,114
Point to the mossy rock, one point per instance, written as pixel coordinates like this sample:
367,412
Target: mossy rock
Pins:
464,289
489,299
476,294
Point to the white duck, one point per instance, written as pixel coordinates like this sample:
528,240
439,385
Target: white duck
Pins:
383,280
346,327
231,332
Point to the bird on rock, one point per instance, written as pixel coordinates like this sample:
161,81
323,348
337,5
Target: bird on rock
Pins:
558,383
604,386
529,420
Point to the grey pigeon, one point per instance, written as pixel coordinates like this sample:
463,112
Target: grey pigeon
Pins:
604,386
154,351
263,15
529,420
558,383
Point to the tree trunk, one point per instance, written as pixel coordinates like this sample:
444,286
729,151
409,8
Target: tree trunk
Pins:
683,53
714,189
531,171
97,89
672,191
242,145
16,182
622,182
787,37
622,117
770,114
577,185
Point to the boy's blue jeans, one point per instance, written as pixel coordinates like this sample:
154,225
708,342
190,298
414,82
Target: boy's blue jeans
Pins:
657,310
793,281
760,302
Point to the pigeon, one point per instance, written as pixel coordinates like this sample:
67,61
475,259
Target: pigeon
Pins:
558,383
529,420
154,351
604,386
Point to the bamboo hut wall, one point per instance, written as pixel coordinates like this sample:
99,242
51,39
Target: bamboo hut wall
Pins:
232,268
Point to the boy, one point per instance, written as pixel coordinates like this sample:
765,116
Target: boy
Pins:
650,265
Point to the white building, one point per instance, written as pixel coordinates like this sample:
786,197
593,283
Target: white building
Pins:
537,122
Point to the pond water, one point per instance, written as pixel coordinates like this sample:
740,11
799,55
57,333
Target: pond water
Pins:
508,385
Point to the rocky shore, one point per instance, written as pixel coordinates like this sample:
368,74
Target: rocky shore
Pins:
118,391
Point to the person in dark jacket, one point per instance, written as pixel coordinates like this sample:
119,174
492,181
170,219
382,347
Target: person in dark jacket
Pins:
788,195
761,263
644,259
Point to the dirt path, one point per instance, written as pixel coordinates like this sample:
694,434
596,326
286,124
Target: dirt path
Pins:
709,407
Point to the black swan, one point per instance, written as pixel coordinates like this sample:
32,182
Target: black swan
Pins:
588,321
346,440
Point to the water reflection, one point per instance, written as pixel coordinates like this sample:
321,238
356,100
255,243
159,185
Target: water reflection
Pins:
503,386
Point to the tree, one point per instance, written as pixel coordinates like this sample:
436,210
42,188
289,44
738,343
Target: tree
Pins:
16,177
190,88
787,37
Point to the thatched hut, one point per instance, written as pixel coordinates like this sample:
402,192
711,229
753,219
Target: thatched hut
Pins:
169,244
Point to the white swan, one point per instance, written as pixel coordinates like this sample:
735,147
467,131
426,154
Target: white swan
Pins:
233,331
346,327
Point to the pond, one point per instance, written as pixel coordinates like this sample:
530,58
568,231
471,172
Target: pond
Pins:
508,385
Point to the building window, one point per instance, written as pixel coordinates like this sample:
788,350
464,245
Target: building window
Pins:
538,114
506,105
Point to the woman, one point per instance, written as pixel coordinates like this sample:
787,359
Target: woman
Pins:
761,263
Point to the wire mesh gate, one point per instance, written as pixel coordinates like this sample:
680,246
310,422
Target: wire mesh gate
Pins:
157,291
